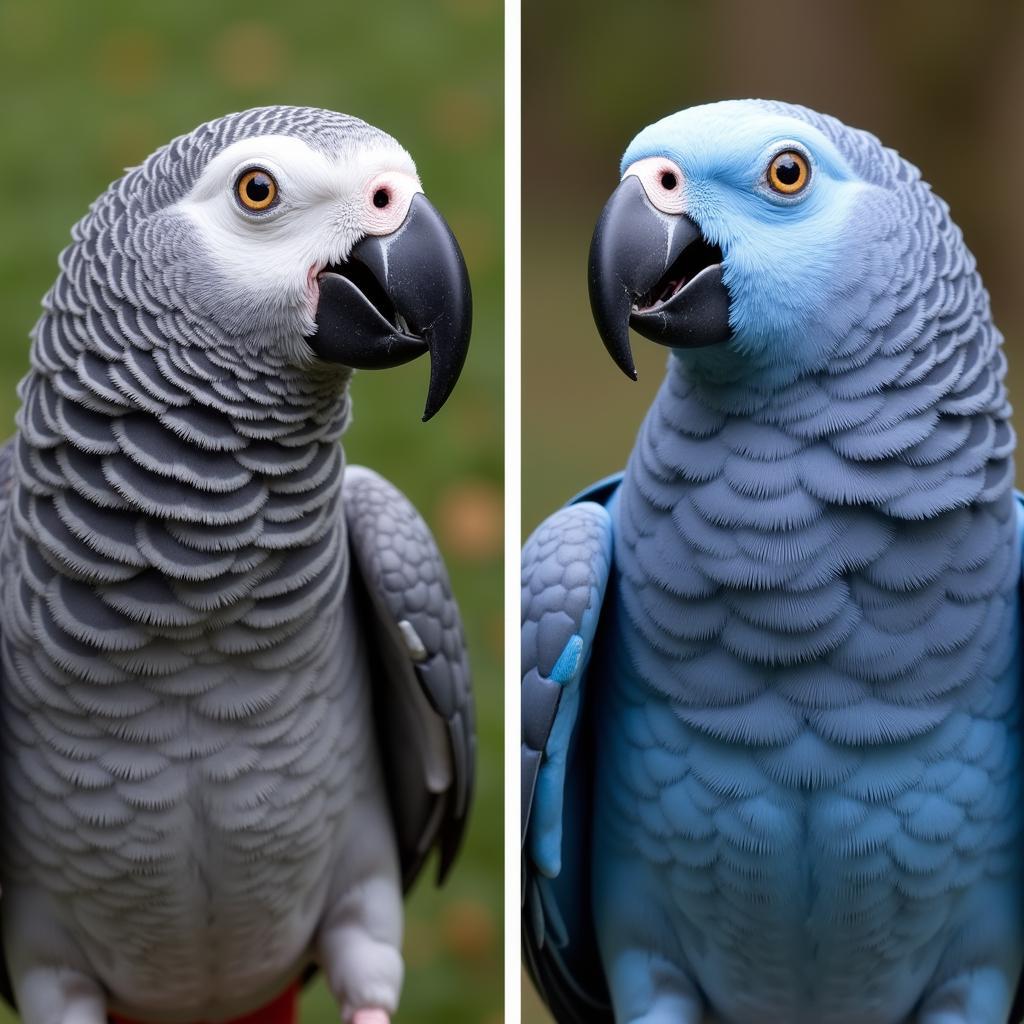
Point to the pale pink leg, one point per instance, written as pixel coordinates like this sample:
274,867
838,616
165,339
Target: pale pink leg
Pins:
369,1016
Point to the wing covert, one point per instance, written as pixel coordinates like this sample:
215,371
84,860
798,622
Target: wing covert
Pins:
422,696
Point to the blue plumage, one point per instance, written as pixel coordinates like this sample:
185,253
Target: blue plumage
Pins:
785,785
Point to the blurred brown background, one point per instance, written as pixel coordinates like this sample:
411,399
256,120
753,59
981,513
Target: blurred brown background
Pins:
942,82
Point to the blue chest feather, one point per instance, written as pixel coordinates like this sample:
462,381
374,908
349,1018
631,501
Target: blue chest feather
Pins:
810,718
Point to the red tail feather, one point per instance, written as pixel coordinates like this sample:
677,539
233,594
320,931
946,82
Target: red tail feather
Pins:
283,1010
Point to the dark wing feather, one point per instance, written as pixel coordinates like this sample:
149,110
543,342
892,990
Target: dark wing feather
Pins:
422,696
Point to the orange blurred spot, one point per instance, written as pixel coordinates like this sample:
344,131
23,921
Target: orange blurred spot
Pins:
462,117
470,520
248,54
467,929
128,61
476,237
128,140
496,635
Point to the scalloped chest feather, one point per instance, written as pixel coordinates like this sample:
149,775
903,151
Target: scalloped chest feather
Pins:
811,708
180,745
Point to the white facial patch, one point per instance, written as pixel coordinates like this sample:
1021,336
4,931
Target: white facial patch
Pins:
324,205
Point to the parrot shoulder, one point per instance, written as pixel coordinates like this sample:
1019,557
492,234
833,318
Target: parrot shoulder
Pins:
423,702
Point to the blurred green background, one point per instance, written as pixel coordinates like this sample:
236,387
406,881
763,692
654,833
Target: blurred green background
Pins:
90,88
942,82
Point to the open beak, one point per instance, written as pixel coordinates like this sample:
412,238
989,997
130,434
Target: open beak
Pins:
654,272
396,297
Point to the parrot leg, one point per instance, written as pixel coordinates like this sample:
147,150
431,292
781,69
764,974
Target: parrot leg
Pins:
58,995
53,983
370,1017
647,989
979,996
646,970
359,942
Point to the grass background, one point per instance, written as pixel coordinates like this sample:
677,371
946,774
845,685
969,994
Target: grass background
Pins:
90,88
943,82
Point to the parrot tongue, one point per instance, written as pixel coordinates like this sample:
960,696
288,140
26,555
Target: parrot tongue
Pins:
283,1010
371,290
697,256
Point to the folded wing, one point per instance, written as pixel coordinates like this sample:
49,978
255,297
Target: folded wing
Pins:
422,696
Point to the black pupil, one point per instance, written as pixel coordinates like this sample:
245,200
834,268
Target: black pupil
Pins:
668,181
787,170
257,188
381,198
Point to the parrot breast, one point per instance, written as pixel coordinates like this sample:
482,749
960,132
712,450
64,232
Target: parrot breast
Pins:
809,724
182,737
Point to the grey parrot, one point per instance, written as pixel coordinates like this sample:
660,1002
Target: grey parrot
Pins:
236,702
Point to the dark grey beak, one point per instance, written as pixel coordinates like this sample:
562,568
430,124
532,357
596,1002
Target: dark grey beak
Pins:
656,273
396,297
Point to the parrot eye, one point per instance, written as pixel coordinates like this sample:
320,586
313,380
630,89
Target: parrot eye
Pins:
256,189
381,198
789,173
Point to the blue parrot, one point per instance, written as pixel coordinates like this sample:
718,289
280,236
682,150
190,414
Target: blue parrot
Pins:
771,691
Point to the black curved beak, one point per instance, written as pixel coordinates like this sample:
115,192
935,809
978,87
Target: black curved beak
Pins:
396,297
654,272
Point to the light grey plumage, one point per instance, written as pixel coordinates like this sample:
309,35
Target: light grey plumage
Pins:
194,786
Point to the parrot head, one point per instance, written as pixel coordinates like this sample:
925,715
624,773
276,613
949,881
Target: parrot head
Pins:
740,232
302,232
